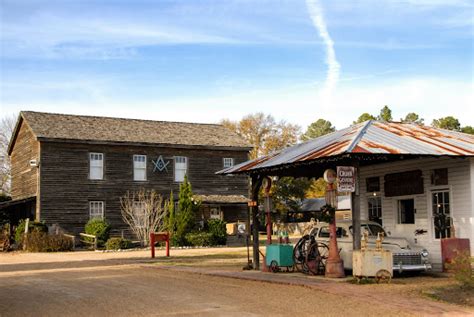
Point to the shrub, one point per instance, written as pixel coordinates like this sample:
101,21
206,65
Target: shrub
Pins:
32,227
199,238
38,241
218,231
118,244
461,267
99,228
185,219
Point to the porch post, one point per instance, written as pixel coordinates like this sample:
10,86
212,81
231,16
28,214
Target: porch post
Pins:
355,206
256,183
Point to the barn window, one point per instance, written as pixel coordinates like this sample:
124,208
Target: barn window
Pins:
180,168
96,209
139,167
96,165
228,162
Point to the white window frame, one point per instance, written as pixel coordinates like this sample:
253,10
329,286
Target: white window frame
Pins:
215,213
228,162
178,167
96,209
139,165
431,191
96,162
375,197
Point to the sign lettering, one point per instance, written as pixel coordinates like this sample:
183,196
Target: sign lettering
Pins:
346,179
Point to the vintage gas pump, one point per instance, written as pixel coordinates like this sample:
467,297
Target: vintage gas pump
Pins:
334,264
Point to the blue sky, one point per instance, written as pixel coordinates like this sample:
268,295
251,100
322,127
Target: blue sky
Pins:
206,60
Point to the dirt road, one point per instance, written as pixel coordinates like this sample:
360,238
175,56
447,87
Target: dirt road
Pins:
127,284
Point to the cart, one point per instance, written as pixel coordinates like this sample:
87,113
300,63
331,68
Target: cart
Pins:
278,256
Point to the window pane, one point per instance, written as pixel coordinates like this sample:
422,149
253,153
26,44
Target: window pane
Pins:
139,175
179,175
139,167
180,168
96,166
228,162
96,209
406,211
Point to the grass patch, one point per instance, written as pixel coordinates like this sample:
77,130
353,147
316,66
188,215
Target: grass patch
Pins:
209,260
454,294
361,281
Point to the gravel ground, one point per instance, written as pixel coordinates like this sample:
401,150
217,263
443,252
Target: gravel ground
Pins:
130,283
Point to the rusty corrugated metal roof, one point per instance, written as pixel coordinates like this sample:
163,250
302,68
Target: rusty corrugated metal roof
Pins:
370,137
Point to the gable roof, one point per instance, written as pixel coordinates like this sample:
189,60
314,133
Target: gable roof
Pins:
371,138
54,126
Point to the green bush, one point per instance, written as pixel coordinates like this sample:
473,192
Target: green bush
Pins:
118,244
460,265
32,227
185,218
99,228
218,231
38,241
199,238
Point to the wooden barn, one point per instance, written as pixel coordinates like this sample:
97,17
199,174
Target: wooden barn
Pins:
73,168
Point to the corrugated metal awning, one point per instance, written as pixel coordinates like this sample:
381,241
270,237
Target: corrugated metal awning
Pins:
374,138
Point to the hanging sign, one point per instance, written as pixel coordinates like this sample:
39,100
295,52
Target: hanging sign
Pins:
160,164
346,179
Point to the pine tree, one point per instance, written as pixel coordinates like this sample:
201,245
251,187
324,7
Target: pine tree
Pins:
185,215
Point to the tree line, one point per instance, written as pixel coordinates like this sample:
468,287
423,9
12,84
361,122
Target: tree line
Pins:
267,135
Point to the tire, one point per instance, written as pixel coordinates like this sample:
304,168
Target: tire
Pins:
274,266
299,253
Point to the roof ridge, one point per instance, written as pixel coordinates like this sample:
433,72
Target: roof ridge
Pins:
118,118
359,136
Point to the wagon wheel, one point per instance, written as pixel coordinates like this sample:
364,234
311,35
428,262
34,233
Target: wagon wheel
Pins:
323,250
313,259
274,266
383,276
299,252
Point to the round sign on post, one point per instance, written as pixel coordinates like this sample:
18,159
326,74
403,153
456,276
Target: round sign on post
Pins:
330,176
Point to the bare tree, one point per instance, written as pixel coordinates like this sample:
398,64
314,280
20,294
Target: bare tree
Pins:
264,133
7,125
144,211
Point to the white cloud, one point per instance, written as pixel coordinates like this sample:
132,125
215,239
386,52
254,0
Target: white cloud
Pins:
429,97
316,14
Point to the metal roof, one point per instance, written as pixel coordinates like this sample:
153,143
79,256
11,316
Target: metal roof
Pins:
370,137
315,204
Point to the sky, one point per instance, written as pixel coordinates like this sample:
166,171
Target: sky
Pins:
202,61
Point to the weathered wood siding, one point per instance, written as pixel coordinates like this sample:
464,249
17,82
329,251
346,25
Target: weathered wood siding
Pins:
66,188
460,172
24,177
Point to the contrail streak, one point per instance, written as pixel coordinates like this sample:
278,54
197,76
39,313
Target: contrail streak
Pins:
332,76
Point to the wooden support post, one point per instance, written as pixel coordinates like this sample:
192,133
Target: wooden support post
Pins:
355,206
256,183
152,244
